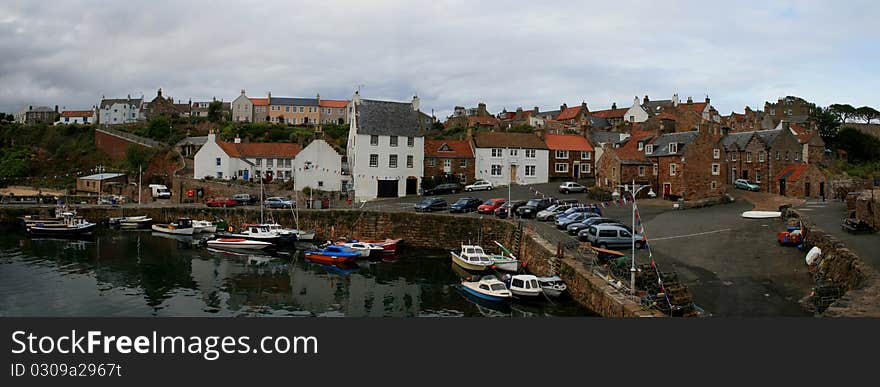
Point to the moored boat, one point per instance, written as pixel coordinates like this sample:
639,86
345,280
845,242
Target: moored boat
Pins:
254,232
472,257
204,226
390,245
523,285
238,243
365,249
183,226
71,225
332,254
130,221
552,286
487,288
505,261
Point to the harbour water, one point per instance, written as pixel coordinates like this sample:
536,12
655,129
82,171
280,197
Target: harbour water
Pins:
138,273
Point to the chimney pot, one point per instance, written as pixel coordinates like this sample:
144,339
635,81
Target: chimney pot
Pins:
646,100
613,105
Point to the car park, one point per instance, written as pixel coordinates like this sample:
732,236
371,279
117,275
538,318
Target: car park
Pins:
489,206
576,209
570,186
278,202
445,188
511,206
467,204
746,185
612,235
550,212
479,185
221,202
575,228
431,204
563,222
245,199
532,207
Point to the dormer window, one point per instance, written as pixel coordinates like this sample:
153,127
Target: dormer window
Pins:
673,147
641,145
649,149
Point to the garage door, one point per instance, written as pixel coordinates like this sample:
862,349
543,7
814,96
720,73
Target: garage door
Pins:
387,189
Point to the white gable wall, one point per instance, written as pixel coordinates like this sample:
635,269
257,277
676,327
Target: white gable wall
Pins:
318,163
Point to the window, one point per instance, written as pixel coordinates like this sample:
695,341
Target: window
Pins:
268,163
716,169
714,184
777,155
761,156
219,175
585,168
514,152
374,160
632,118
716,154
410,141
462,163
432,162
748,157
447,163
585,155
796,156
757,176
561,154
733,156
561,167
496,152
673,169
409,161
287,109
217,161
259,162
392,161
374,140
673,147
300,109
656,169
320,184
530,153
649,149
530,170
279,163
496,170
641,145
287,163
641,170
786,155
392,141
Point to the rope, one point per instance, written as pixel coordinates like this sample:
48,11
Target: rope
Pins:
651,256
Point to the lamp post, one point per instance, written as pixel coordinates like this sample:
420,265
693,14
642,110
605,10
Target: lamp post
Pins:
634,190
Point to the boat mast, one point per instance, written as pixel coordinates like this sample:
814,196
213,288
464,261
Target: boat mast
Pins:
261,197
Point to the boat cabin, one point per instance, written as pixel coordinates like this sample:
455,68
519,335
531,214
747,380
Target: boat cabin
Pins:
475,254
493,286
183,223
524,282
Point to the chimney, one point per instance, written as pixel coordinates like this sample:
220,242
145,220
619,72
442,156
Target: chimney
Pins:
159,94
645,100
707,100
237,139
211,136
613,105
242,91
481,108
129,96
636,101
31,107
536,110
675,100
584,106
56,108
690,101
469,134
415,103
563,107
269,96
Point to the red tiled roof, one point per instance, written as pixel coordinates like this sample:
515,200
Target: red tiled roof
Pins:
457,148
334,103
630,150
792,172
696,106
260,101
260,149
569,142
569,113
801,133
77,113
666,116
610,113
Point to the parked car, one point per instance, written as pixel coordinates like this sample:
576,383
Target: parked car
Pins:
465,205
570,201
550,212
445,188
533,207
577,209
221,202
570,186
278,202
489,206
575,228
244,198
563,222
431,205
746,185
479,185
512,205
606,235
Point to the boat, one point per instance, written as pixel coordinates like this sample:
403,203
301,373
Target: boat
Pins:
183,226
238,243
523,285
505,261
487,288
130,221
29,220
552,286
365,249
303,235
761,214
472,257
254,232
204,226
72,225
390,245
332,254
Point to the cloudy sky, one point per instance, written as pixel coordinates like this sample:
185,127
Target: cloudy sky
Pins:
505,53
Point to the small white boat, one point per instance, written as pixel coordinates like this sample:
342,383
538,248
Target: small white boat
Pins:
130,221
524,285
505,261
761,214
487,288
364,249
183,226
238,243
552,286
472,257
204,226
302,235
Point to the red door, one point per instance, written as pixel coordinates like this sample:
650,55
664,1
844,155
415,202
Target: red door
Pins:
667,189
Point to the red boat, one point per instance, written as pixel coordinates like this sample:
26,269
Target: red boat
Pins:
332,255
790,238
390,245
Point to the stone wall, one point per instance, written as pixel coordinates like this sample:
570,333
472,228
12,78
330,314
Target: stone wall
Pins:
113,146
866,207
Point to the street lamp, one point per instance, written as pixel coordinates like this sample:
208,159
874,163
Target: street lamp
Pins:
633,190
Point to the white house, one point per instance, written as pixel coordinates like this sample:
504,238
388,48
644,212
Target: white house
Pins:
637,112
386,148
79,117
240,160
318,166
121,111
519,158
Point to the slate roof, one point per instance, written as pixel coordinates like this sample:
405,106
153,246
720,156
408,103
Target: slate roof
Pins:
599,122
286,101
661,143
604,137
452,149
113,101
741,139
387,118
651,106
610,113
569,142
509,140
194,140
102,176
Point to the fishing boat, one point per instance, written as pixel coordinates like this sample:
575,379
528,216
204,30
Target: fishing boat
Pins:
204,226
505,261
487,288
254,232
183,226
472,257
390,245
29,220
365,249
332,254
237,243
72,225
130,221
552,286
523,285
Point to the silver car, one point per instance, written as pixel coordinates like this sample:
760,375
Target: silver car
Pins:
608,235
570,186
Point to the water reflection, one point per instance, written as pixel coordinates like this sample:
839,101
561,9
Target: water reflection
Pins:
131,273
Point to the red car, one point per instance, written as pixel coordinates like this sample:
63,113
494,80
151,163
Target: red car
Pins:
491,205
221,202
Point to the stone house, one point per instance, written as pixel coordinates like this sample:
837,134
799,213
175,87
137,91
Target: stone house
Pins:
120,111
574,117
758,155
571,156
165,106
626,163
504,158
333,111
790,108
689,165
101,183
614,116
477,118
804,180
294,111
243,160
30,115
445,158
812,143
242,108
200,108
77,117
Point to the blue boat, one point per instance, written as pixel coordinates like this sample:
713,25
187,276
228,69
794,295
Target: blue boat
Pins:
332,254
487,288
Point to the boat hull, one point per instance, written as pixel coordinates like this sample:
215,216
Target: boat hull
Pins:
80,230
238,244
552,291
470,289
526,292
512,266
173,231
330,257
262,238
467,265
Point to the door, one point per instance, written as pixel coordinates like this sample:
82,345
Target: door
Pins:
386,188
412,184
577,170
513,174
781,187
745,174
807,189
624,238
667,190
822,189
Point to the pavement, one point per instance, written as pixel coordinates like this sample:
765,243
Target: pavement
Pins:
828,216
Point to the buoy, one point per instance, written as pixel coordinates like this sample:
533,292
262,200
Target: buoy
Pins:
229,228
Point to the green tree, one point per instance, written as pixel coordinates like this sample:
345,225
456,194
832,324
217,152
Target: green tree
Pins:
14,163
137,156
859,147
828,123
522,128
843,111
867,113
159,128
215,111
301,135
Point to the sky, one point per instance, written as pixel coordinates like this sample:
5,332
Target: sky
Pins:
504,53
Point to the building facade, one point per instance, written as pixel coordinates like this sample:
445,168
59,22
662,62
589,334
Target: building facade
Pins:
121,111
293,111
248,161
504,158
448,158
77,117
690,165
571,156
333,111
30,115
802,180
319,167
